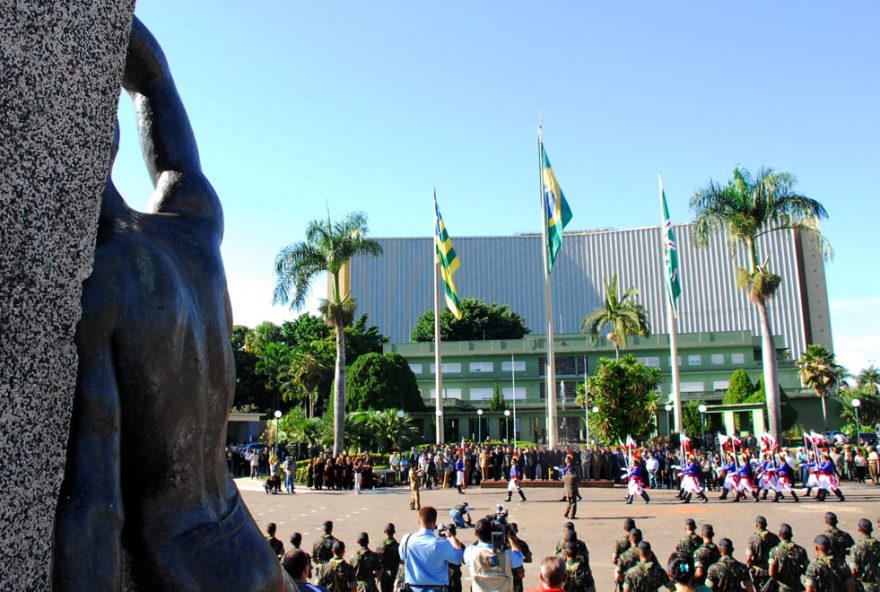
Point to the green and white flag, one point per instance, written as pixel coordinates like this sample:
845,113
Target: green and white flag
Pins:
670,253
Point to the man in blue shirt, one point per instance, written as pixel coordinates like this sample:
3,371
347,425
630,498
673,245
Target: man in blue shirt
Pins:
492,569
425,554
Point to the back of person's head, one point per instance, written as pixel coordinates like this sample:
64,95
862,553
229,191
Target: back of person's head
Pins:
513,527
389,529
707,531
271,528
570,536
338,548
725,546
629,524
785,531
570,525
760,522
690,524
680,568
328,526
483,530
831,518
570,550
428,516
363,539
865,526
644,548
296,539
553,574
295,563
635,536
823,543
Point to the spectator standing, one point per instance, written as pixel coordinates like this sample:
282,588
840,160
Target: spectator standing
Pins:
552,575
426,556
298,566
492,568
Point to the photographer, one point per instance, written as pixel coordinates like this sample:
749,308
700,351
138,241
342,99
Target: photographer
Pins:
425,555
490,563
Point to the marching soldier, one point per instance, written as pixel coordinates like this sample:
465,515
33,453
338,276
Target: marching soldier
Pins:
823,574
367,565
691,541
322,550
706,555
788,562
629,558
728,574
646,576
758,556
840,541
622,544
865,560
389,553
577,567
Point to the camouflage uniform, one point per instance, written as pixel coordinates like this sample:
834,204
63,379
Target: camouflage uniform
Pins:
689,544
580,576
823,575
620,547
365,564
322,550
581,546
791,562
336,575
840,544
728,575
388,551
628,560
865,562
646,576
706,556
760,545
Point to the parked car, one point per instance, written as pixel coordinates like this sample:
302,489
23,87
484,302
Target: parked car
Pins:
869,438
837,437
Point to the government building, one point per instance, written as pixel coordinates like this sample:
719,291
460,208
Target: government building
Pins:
718,329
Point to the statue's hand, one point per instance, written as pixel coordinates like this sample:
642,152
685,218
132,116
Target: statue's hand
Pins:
145,63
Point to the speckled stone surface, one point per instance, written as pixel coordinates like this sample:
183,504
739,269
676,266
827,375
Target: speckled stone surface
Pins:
60,67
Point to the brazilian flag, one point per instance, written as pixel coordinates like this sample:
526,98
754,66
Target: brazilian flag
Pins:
557,214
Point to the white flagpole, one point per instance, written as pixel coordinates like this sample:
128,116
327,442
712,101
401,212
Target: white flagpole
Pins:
670,323
438,369
513,381
550,368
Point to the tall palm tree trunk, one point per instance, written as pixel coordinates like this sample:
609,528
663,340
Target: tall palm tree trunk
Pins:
339,390
824,411
771,379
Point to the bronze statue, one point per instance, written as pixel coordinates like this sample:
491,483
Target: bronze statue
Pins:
147,501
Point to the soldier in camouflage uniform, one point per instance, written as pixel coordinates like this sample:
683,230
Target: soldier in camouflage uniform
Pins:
622,544
706,554
823,574
647,575
728,574
758,555
788,562
389,553
840,541
580,547
691,541
337,575
577,567
865,558
322,550
367,565
630,557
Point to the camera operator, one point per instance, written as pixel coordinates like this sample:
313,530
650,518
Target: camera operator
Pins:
490,563
425,555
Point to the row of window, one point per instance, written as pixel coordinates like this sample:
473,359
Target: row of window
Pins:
696,360
473,367
482,394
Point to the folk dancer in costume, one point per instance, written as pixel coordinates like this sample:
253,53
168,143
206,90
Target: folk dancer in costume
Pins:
515,483
690,481
767,480
785,478
731,479
460,481
827,476
635,485
812,474
745,480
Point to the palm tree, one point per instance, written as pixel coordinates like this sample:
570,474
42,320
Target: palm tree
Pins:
308,369
327,248
622,314
869,379
747,208
820,372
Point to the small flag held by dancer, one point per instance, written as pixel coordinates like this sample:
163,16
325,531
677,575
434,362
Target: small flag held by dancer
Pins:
630,443
449,262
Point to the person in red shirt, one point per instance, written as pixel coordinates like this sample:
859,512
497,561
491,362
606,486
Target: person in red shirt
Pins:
552,575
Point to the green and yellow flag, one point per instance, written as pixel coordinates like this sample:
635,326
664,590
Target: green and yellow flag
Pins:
557,215
449,262
670,253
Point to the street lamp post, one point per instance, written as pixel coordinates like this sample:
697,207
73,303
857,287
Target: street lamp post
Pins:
400,415
702,409
439,413
480,426
507,425
856,403
668,408
277,415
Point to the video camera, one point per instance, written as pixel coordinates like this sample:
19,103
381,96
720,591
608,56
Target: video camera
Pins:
498,520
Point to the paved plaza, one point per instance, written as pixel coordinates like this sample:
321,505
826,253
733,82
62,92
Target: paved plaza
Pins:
540,519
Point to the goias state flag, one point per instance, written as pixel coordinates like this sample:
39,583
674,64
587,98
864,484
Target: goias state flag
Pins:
449,262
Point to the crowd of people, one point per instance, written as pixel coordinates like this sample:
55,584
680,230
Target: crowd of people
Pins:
430,559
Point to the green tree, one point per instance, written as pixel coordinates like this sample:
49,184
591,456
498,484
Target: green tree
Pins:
624,391
869,379
250,386
361,339
381,430
294,426
747,208
305,328
819,371
497,402
310,366
261,336
382,381
328,247
620,313
691,421
479,321
739,389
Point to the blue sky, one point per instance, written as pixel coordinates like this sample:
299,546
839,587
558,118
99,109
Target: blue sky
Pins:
300,107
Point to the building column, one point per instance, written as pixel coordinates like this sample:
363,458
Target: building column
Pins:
729,423
758,421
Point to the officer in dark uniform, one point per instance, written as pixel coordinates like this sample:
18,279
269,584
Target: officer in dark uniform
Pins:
788,562
758,555
389,552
